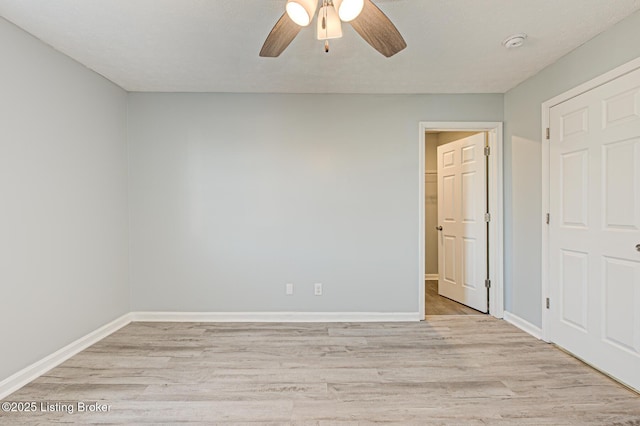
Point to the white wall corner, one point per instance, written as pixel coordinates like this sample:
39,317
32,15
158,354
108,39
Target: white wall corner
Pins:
523,324
37,369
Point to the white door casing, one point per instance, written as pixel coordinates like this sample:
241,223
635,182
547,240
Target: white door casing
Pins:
594,206
494,130
462,243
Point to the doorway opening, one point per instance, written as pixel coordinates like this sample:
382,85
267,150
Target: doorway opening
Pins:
460,263
444,291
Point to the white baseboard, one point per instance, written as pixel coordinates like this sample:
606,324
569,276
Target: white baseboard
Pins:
523,324
275,316
37,369
431,277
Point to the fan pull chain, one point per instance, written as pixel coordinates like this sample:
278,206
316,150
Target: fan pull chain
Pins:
325,4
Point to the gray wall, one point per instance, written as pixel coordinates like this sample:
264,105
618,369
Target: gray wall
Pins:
522,160
233,195
63,215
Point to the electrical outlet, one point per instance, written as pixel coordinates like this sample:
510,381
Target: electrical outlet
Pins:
317,289
289,289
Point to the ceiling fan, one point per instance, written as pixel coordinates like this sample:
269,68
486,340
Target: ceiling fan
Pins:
364,16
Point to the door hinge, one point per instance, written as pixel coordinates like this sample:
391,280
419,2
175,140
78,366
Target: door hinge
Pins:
487,217
487,283
487,150
547,303
548,134
548,218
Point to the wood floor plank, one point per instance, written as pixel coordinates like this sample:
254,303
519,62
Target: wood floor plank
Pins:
440,305
447,370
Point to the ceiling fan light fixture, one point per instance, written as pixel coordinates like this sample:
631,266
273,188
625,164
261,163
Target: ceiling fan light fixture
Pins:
329,25
301,11
348,10
367,20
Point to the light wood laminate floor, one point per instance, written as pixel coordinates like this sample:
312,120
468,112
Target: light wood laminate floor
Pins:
458,370
440,305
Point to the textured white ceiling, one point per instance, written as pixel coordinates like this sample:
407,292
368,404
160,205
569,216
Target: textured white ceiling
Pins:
454,46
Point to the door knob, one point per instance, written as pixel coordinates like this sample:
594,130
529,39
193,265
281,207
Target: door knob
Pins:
638,247
439,228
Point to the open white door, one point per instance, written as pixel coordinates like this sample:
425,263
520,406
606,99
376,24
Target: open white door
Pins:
462,243
594,200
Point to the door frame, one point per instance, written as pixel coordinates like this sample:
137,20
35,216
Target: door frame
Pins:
619,71
496,231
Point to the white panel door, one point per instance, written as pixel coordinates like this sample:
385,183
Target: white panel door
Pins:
594,264
462,243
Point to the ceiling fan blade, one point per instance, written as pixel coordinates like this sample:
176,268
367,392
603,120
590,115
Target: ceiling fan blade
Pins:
281,35
377,30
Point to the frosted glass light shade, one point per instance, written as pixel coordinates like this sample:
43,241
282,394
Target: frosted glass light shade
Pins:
301,11
333,25
348,10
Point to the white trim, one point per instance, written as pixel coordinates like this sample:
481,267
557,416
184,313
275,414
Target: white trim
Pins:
276,316
544,267
523,324
430,277
38,368
593,83
496,241
421,219
546,110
